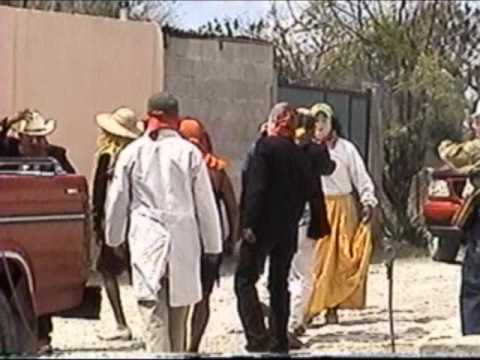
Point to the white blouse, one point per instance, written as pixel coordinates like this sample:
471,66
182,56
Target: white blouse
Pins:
349,173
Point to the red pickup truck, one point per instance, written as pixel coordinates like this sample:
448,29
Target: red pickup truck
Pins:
439,209
44,249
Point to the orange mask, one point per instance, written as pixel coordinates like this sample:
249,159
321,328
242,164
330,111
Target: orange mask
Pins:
193,131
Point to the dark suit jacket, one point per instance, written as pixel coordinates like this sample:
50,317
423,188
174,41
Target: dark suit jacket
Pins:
277,183
9,148
322,165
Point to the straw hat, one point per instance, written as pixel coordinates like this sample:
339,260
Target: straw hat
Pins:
122,122
34,124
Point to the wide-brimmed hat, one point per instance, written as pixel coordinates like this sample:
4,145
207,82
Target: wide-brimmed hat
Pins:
122,122
35,124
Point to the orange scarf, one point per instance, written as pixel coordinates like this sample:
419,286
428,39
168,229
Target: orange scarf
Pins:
193,131
155,124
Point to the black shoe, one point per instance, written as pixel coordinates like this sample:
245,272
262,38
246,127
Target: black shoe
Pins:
331,317
300,330
279,350
294,343
257,348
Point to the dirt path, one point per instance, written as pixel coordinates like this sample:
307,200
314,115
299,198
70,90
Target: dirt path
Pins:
425,303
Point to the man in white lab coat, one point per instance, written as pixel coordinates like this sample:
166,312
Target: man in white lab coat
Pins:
161,201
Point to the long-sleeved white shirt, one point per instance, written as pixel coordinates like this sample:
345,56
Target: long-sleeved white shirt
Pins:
350,173
161,200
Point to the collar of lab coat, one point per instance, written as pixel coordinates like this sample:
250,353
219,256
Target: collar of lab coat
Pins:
164,133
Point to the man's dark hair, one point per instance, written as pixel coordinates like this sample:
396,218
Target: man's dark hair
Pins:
163,101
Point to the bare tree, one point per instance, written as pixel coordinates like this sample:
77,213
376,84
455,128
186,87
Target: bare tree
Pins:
162,12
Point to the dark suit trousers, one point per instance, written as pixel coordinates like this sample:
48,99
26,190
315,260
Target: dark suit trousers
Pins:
251,263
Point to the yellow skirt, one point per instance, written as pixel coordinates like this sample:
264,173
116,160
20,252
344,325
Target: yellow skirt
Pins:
341,259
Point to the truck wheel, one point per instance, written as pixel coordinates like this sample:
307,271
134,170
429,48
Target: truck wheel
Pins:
8,333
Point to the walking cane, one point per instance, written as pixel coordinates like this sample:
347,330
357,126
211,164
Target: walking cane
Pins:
390,257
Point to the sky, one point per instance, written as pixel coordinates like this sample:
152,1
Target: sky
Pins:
193,14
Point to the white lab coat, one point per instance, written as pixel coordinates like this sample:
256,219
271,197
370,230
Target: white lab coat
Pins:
162,200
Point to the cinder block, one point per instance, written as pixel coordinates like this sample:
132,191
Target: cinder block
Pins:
211,49
253,91
228,53
262,54
194,49
182,67
241,89
177,47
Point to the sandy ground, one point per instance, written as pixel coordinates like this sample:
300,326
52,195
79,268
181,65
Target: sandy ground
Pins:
425,309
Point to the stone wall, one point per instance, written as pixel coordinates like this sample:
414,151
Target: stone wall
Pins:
227,84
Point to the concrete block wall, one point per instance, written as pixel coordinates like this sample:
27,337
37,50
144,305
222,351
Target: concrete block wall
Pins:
227,85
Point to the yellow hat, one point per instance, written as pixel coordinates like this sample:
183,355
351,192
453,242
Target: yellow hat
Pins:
322,108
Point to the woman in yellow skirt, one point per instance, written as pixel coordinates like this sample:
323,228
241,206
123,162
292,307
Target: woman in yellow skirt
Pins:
341,259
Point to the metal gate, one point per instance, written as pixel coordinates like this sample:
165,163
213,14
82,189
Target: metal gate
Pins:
352,108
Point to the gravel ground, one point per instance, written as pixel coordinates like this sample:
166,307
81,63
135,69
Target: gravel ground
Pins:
425,310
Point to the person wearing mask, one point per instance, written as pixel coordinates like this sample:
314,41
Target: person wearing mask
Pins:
313,225
194,131
161,201
118,129
278,182
340,273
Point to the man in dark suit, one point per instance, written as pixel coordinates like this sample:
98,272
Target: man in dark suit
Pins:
32,129
278,181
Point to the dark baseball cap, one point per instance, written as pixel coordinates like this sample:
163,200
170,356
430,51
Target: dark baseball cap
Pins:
163,101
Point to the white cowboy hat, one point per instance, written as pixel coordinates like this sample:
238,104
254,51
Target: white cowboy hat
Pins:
34,124
122,122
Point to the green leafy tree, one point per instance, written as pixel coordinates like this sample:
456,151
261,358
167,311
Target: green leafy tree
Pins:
423,54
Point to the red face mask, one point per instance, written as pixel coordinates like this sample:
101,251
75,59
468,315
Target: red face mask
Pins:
285,124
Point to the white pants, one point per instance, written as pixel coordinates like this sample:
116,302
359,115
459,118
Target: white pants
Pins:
301,279
165,327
